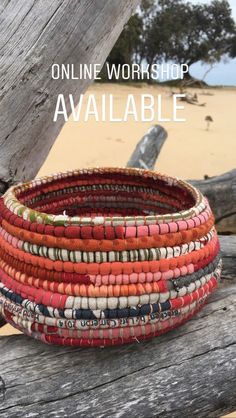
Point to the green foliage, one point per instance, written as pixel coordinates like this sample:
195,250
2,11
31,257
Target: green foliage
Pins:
187,33
219,29
177,30
233,47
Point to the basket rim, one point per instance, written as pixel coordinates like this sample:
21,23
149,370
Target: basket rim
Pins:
15,206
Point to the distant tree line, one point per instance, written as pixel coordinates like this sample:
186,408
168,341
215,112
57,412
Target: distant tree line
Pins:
178,31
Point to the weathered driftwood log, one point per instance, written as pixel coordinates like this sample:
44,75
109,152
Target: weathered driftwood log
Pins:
34,34
189,372
189,98
148,148
221,192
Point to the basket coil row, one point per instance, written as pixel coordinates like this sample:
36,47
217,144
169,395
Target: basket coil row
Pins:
105,256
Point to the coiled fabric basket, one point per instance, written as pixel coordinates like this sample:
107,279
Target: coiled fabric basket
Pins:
105,256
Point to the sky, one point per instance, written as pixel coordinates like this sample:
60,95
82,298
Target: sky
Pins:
224,73
231,2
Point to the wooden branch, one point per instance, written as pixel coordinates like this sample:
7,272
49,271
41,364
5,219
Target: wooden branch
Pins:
148,148
189,372
34,34
189,98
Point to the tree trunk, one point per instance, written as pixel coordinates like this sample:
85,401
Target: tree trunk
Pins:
34,34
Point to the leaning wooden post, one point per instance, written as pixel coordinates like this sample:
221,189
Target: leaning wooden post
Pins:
34,35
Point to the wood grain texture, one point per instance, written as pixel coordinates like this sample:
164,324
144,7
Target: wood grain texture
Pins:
189,372
34,34
228,250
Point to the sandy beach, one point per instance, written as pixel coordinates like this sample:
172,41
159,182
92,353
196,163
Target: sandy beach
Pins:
189,152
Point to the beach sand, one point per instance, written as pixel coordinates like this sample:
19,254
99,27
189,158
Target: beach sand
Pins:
189,152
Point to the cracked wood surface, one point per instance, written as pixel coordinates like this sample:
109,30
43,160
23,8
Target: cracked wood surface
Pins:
34,34
189,372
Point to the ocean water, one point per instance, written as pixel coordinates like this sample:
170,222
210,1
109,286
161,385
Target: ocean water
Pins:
223,73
